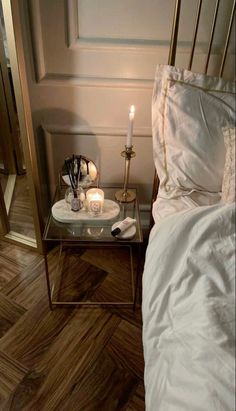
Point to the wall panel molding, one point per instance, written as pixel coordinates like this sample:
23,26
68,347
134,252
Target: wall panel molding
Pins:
96,131
132,45
52,133
123,63
34,12
71,22
74,39
54,79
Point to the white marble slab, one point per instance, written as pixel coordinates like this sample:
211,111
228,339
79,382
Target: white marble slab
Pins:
61,212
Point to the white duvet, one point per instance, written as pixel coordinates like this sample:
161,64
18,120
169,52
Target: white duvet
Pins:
188,311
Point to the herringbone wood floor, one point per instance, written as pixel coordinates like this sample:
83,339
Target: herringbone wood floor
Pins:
67,359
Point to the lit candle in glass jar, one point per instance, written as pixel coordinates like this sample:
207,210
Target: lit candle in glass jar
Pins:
95,200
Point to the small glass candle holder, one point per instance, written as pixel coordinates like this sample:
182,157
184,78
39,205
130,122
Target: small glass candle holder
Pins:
75,198
95,201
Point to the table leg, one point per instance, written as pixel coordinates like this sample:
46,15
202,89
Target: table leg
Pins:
47,277
138,269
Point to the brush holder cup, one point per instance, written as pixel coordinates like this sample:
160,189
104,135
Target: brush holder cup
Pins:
75,198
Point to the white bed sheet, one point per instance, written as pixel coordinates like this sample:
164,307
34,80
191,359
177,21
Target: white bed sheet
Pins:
188,311
168,204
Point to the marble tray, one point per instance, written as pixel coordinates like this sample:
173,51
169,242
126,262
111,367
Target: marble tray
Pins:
62,213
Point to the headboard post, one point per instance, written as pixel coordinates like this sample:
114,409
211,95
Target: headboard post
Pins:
171,61
195,34
174,34
227,40
212,35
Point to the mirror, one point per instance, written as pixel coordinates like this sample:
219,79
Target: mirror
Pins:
79,170
16,209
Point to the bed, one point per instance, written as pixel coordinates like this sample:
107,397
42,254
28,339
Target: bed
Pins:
188,304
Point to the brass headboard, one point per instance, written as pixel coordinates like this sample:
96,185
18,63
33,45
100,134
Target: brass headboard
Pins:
172,55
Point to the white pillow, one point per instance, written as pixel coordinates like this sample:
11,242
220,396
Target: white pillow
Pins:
188,112
228,185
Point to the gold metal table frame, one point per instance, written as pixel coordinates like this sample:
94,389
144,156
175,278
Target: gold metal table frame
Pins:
56,232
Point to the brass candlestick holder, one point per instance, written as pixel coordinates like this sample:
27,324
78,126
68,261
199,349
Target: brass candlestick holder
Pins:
125,195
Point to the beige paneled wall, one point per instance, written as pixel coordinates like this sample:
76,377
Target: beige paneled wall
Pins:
87,62
104,148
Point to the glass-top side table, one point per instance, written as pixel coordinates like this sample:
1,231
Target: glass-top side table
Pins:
89,234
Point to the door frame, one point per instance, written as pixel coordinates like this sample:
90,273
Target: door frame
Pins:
14,34
5,125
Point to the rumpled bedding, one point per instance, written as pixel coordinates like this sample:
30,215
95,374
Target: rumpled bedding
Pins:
189,311
180,200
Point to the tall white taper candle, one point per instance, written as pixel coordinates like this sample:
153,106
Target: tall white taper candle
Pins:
130,127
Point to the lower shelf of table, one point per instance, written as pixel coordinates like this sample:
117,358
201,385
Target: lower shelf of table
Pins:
92,277
95,304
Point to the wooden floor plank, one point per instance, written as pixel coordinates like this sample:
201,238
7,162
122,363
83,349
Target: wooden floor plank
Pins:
11,374
70,359
113,289
137,401
18,254
29,286
26,389
31,336
104,387
114,261
10,312
126,347
21,212
24,285
117,286
74,352
132,316
8,270
79,279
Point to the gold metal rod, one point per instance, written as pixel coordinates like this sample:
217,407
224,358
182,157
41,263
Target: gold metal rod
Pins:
174,34
4,221
125,195
132,272
212,35
195,34
94,303
138,272
55,289
126,177
227,40
47,276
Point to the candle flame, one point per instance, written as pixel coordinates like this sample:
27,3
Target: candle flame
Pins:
96,196
132,110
